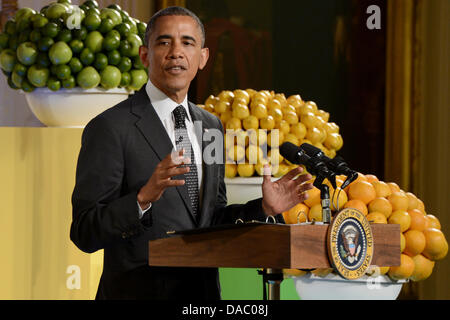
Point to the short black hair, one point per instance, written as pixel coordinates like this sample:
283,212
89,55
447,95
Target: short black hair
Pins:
173,11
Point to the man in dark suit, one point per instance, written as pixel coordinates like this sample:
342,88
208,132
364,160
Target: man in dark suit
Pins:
131,187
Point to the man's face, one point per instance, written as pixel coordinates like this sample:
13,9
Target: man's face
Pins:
174,54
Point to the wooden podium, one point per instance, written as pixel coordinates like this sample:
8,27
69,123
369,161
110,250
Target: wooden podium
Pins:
263,245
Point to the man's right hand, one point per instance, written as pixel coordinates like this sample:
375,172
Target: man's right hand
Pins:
161,178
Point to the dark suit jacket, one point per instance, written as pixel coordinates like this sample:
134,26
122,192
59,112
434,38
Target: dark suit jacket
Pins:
120,149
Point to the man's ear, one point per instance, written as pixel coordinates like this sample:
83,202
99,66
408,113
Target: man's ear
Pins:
204,56
143,53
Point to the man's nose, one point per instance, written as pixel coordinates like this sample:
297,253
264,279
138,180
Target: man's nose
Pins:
176,51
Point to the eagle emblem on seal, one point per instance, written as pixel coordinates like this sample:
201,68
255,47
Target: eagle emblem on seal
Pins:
351,248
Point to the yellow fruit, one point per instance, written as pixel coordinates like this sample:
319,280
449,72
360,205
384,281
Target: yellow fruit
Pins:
209,107
313,197
296,214
436,247
242,138
412,201
290,117
275,138
245,170
212,100
322,272
276,114
274,156
423,268
274,104
260,96
433,222
399,201
394,187
227,96
331,127
288,108
376,271
421,205
251,92
404,271
292,139
418,220
257,137
315,213
376,217
299,130
282,170
338,199
332,140
230,170
362,190
304,109
222,106
259,111
382,189
233,124
314,135
267,123
236,153
254,154
402,242
308,119
414,242
381,205
240,111
225,116
241,94
358,205
294,272
402,218
284,127
324,115
251,122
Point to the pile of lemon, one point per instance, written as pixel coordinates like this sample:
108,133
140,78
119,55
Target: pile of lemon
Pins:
422,241
258,122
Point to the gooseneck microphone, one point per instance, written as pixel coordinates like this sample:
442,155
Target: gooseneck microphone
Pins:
315,165
336,165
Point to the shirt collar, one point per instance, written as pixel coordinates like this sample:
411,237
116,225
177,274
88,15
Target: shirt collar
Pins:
163,105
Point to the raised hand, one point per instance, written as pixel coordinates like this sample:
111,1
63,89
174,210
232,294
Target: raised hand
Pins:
285,193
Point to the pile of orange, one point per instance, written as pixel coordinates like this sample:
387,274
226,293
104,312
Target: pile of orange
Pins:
422,241
256,123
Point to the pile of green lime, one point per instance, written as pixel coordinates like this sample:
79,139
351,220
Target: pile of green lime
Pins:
65,46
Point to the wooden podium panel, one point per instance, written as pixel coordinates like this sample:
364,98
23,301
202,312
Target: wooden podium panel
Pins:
264,246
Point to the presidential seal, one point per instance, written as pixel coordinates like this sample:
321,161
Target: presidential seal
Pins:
350,243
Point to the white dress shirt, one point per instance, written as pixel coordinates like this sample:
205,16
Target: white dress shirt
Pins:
164,106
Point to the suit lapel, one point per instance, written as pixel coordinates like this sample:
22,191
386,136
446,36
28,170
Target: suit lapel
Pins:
156,135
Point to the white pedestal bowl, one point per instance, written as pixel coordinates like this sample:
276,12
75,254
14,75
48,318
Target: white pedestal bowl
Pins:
72,107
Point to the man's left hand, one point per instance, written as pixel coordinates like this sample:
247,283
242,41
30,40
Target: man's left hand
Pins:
282,195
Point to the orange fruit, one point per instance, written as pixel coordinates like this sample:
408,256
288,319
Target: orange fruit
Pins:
338,199
363,191
315,213
399,201
436,247
418,220
404,270
376,217
358,205
296,214
414,242
294,272
412,201
371,178
382,189
421,205
322,272
433,221
393,186
380,205
423,268
402,218
377,271
402,242
313,197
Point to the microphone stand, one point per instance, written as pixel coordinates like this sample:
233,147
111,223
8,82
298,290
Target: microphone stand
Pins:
325,198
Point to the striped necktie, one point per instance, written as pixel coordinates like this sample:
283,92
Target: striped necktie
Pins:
182,142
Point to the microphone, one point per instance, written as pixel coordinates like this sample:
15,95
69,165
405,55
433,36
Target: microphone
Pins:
313,164
337,164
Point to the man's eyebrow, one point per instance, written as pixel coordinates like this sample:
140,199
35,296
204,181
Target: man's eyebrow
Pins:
166,36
